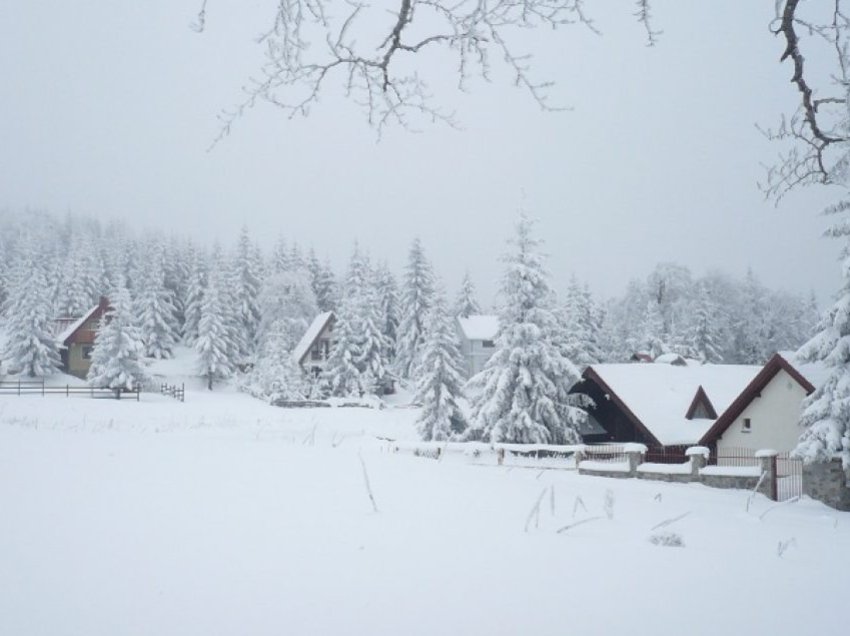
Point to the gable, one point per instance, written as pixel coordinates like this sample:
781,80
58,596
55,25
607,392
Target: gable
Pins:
701,407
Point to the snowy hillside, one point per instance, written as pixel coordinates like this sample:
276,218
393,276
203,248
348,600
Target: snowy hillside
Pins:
223,515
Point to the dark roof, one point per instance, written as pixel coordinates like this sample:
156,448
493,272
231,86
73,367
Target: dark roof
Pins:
701,398
776,364
591,374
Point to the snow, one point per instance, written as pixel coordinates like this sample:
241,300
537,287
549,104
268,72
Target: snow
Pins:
732,471
612,467
660,394
765,452
310,335
815,372
479,327
633,447
698,450
224,515
665,469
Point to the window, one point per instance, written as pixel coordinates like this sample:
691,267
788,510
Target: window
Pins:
87,352
748,425
487,344
316,351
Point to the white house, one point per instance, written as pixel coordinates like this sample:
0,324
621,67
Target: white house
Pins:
766,414
477,334
312,351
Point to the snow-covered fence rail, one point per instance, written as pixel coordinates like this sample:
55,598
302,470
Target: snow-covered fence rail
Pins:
38,387
497,452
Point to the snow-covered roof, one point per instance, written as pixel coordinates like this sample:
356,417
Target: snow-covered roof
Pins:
309,337
659,394
479,326
69,330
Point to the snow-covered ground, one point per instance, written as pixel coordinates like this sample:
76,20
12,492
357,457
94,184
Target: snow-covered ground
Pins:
223,515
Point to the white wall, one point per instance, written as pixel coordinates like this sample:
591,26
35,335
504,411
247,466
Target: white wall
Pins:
774,418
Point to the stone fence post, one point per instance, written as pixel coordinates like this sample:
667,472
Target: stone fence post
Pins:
635,453
767,457
699,458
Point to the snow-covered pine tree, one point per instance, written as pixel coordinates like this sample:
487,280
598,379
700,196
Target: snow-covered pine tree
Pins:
287,305
154,309
276,376
246,280
326,290
826,412
31,347
342,375
653,341
387,293
279,260
439,377
374,345
416,297
197,281
703,341
466,303
118,347
580,331
213,344
522,395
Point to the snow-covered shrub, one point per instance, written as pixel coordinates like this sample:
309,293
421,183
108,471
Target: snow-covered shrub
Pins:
667,539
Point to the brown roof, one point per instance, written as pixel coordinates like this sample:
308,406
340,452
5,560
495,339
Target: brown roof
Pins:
590,374
95,312
776,364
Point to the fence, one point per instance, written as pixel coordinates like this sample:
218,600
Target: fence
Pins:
38,387
178,393
789,471
666,454
606,453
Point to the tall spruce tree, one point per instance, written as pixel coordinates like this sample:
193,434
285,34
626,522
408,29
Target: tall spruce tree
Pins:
31,347
118,347
466,303
245,288
154,308
522,394
214,342
826,412
440,377
416,297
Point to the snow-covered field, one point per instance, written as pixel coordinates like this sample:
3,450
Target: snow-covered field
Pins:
222,515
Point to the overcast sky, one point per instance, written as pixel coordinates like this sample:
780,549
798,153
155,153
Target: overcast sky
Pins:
108,109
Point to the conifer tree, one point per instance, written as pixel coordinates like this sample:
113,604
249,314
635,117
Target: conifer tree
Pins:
522,394
245,287
214,344
466,304
703,333
440,379
826,412
30,346
416,297
115,361
387,293
154,308
326,289
197,281
276,376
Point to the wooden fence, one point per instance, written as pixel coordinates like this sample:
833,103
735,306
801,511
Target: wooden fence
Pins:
38,387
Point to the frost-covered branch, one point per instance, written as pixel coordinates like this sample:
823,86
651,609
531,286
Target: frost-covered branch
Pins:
312,44
818,131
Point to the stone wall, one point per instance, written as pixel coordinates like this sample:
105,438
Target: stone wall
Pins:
827,482
693,471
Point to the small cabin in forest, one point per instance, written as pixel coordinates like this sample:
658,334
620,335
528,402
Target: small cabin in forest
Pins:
76,339
312,351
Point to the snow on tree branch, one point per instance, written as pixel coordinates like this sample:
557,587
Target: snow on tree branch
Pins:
313,43
818,130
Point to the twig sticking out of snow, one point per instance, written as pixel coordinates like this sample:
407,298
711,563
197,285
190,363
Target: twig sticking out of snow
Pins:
578,523
670,521
368,485
774,507
784,545
609,504
552,499
657,497
310,439
755,490
579,502
534,513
